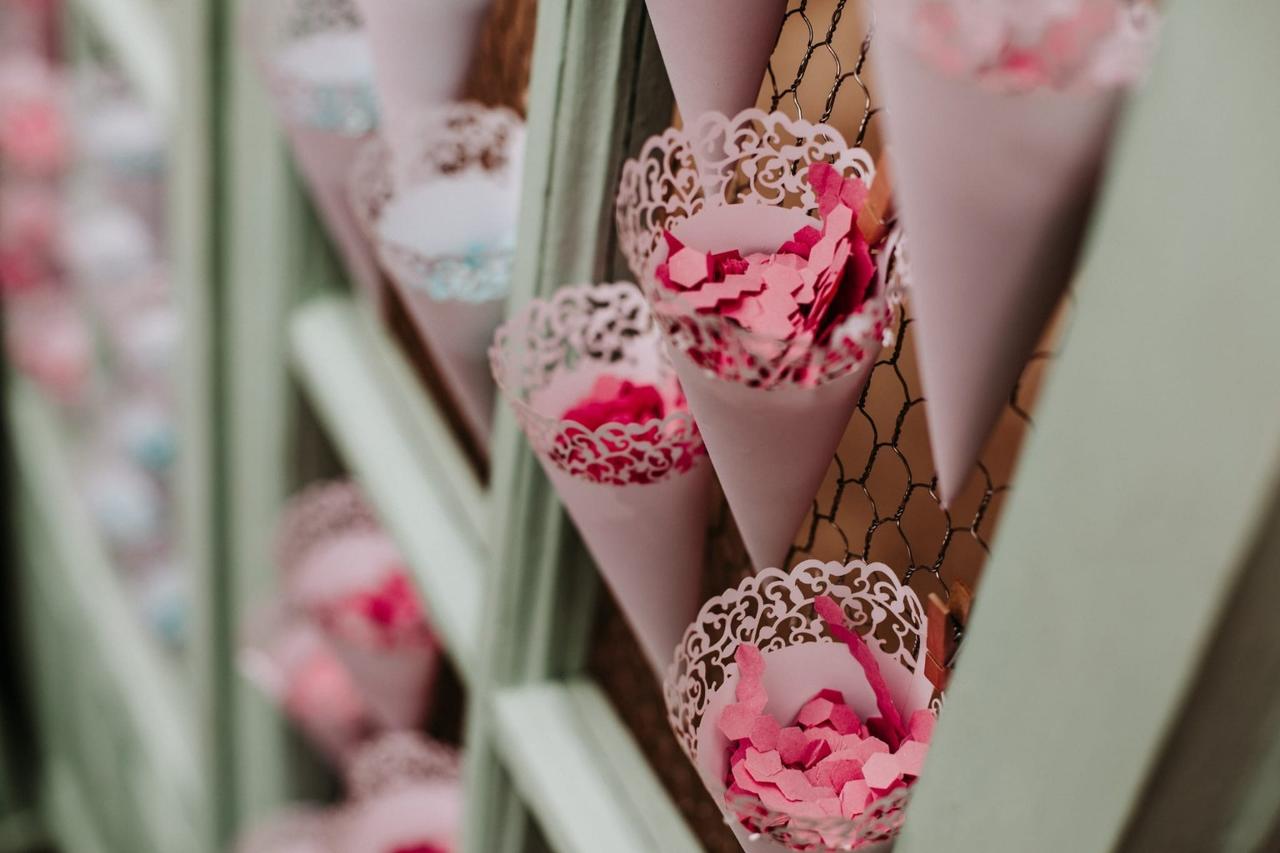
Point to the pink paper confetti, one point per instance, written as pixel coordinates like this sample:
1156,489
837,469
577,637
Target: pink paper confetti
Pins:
828,764
834,617
795,296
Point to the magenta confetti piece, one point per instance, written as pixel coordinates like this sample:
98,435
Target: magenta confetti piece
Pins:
834,617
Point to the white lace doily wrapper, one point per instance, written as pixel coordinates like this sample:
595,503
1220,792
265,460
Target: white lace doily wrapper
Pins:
324,81
970,39
716,51
275,649
398,758
300,829
647,537
995,219
773,611
448,245
771,438
343,563
421,54
315,516
428,812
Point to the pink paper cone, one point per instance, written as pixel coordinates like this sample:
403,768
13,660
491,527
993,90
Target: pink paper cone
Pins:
421,52
774,611
649,542
457,333
638,492
445,231
771,448
317,63
995,216
771,427
395,682
334,558
288,660
716,51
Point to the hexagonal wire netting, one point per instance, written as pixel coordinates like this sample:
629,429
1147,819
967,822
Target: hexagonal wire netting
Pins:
879,501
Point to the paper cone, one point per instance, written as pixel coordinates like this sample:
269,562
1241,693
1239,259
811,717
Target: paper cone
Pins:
444,228
773,610
334,556
287,659
771,428
301,829
637,492
396,682
421,53
317,62
771,448
716,51
995,216
405,795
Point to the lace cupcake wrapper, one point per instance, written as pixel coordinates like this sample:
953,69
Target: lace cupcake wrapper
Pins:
774,611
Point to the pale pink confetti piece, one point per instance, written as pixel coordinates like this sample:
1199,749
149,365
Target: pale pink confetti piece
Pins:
737,721
792,808
688,268
835,619
855,796
743,779
762,765
825,734
922,723
881,770
868,747
750,689
792,783
842,772
764,734
792,745
845,720
830,807
815,712
783,278
911,757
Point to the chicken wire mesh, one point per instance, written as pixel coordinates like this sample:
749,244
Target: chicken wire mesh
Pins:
879,501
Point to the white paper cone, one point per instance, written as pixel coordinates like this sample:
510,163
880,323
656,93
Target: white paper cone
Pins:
995,192
649,541
773,610
457,335
444,226
716,51
324,159
395,682
771,448
277,651
422,50
638,492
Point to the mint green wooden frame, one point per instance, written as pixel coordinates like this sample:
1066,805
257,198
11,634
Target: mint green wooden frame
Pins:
1127,585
